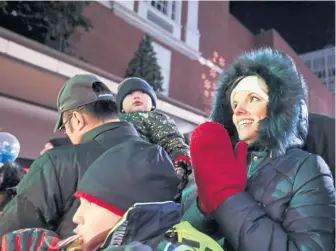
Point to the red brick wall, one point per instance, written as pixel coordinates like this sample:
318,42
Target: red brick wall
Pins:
240,39
213,24
111,43
185,80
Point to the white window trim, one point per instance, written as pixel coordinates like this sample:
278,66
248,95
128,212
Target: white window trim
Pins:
145,6
166,69
192,34
127,3
178,13
151,29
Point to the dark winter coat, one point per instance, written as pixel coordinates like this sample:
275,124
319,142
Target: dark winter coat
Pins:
159,129
321,138
151,226
45,195
289,203
156,227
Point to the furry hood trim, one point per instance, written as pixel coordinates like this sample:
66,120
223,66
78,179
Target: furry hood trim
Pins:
286,124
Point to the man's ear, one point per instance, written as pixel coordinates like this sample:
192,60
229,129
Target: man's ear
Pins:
79,120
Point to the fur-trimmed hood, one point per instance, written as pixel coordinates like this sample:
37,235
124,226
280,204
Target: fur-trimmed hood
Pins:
286,124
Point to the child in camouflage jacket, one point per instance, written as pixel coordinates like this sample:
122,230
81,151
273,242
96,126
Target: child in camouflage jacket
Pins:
136,102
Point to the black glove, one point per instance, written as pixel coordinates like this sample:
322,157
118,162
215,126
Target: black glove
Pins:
183,169
30,239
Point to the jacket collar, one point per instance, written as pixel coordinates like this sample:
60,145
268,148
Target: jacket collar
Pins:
118,128
143,222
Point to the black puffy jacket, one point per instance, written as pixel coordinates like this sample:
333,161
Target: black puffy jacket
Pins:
321,138
45,196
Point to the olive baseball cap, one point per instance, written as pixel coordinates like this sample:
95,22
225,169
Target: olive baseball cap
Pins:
78,91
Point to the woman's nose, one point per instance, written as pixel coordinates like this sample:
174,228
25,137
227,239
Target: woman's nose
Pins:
240,109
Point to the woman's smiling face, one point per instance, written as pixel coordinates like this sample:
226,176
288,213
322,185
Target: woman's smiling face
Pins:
249,101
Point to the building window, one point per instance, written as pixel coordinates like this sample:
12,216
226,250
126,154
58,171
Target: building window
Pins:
323,75
322,63
162,21
163,56
161,6
165,14
331,60
315,64
331,72
318,63
308,63
320,74
332,86
168,8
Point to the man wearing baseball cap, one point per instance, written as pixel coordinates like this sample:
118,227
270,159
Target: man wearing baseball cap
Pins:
88,115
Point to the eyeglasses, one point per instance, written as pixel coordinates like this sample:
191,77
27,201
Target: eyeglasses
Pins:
62,128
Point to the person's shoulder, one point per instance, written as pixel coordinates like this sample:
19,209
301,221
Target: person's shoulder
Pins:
159,115
151,116
295,155
315,165
309,166
301,168
307,160
64,155
70,150
137,148
292,162
321,126
300,157
136,144
134,115
320,119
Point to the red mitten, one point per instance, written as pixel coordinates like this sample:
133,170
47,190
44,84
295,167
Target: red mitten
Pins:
220,172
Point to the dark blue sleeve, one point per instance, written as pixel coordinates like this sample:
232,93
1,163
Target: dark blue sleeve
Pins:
308,222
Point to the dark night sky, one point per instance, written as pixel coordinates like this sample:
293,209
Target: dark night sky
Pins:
306,26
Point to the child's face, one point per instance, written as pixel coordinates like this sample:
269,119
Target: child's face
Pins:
137,101
92,220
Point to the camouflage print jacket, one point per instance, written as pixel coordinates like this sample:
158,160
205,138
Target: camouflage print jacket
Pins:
159,129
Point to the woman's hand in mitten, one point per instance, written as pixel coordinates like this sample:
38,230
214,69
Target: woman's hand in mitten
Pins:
220,172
